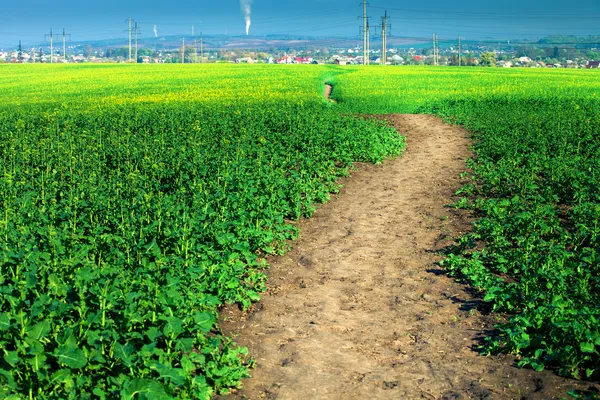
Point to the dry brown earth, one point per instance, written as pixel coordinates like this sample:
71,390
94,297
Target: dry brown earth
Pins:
359,308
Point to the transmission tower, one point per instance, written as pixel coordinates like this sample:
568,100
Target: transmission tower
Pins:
51,37
437,50
129,35
365,32
20,53
64,39
386,26
459,51
136,32
183,50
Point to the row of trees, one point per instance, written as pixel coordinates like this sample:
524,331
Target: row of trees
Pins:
557,52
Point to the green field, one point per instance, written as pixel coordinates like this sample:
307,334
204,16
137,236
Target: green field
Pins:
535,191
137,200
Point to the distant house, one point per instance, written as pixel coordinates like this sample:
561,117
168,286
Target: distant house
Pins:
593,65
396,59
340,61
303,60
284,60
524,60
245,60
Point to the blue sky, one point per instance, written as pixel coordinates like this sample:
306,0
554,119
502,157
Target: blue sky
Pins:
29,20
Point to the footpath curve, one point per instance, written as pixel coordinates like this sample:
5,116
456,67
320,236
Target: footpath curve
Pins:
359,308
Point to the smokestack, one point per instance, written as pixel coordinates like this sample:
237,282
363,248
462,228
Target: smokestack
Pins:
247,10
155,31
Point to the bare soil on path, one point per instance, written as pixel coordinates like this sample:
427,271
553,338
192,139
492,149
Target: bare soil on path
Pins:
359,309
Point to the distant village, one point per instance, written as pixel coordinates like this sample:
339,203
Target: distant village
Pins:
525,57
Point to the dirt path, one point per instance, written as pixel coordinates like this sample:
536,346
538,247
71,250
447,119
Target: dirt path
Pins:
359,309
328,91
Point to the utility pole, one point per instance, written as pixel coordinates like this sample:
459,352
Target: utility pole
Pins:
368,43
437,50
459,51
434,51
129,30
195,51
20,53
183,50
64,38
51,36
136,32
201,49
365,34
64,53
384,27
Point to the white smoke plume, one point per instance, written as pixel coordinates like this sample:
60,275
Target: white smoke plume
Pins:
247,9
155,31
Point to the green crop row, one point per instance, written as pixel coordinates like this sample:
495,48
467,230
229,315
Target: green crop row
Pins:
535,249
536,188
126,222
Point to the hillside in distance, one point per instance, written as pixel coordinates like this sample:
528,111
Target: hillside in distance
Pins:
248,42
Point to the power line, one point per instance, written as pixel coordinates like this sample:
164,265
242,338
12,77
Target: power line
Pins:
495,14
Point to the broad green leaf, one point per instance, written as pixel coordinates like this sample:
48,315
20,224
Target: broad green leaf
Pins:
9,379
204,321
153,333
12,357
202,390
185,345
71,356
86,274
93,338
4,322
537,366
173,326
588,347
589,373
144,389
37,362
101,394
187,365
176,375
39,330
123,353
